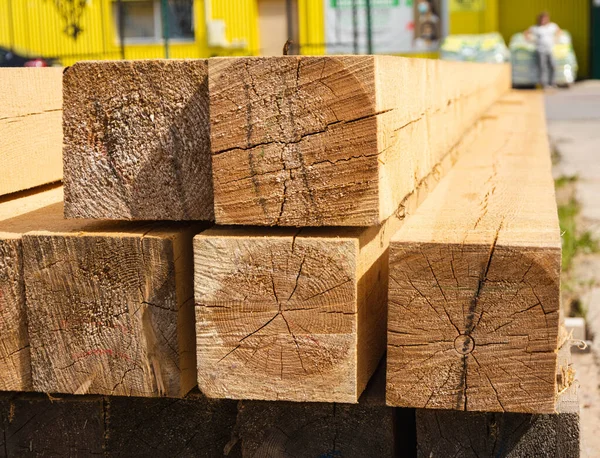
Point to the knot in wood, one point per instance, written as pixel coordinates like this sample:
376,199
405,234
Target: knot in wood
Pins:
464,344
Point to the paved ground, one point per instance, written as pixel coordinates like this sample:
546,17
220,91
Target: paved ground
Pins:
574,128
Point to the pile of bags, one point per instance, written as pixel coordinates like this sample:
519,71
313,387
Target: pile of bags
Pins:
525,71
488,47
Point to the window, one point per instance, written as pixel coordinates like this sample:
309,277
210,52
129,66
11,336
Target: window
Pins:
143,20
181,19
140,20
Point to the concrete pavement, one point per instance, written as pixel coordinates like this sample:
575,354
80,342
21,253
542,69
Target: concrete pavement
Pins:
574,127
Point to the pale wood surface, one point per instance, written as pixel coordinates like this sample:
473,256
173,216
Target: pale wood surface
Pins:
276,316
109,305
137,140
27,201
335,140
15,361
293,314
30,122
475,275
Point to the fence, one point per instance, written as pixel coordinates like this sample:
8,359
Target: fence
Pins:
71,30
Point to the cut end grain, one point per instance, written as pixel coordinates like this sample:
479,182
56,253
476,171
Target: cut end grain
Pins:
280,130
15,361
275,317
111,312
475,278
319,429
335,140
136,140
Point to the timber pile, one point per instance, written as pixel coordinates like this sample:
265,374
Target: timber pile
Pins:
352,195
475,278
100,307
300,314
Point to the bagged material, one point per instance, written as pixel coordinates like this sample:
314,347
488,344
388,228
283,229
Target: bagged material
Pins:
488,47
525,71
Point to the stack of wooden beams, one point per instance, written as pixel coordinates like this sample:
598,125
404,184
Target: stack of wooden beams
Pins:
334,183
473,318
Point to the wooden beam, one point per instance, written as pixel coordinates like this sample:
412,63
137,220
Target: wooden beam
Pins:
265,429
109,305
30,122
35,425
137,141
38,425
15,361
475,275
297,315
476,434
335,140
19,203
193,426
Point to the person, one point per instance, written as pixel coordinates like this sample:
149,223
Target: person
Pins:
427,27
544,34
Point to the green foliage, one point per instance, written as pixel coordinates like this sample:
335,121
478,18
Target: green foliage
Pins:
555,154
564,180
572,241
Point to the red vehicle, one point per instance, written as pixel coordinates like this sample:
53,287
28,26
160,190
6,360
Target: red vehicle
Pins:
10,58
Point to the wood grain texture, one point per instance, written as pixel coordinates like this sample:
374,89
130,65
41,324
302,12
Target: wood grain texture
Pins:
514,435
298,315
15,361
110,308
335,140
289,429
191,427
475,275
33,424
276,315
19,203
137,140
30,122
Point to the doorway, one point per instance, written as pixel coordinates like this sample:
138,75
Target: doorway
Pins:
272,25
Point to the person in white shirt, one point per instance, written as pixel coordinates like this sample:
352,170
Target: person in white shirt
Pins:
544,34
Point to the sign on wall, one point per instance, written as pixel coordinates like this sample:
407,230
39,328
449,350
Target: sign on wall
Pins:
348,3
467,5
393,25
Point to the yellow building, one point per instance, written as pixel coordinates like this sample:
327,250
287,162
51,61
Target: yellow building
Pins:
72,30
89,29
